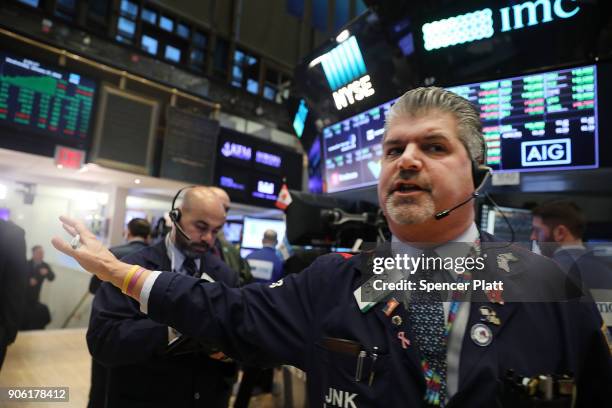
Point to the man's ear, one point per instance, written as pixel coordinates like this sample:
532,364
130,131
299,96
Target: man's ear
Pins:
560,233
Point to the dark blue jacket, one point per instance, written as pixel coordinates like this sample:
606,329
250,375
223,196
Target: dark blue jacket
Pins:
119,251
583,266
132,346
267,254
13,278
291,322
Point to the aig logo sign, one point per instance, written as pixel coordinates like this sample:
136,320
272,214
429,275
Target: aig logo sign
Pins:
546,152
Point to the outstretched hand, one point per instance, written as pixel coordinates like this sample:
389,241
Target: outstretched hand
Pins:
87,250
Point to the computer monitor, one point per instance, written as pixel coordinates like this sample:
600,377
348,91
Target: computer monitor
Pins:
254,228
232,231
492,221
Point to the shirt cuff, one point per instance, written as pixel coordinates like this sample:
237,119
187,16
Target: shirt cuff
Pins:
146,291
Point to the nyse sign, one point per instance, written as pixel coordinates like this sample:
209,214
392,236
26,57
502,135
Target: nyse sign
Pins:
546,152
482,24
355,91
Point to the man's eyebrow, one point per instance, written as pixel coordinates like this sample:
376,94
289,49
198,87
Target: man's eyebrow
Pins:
435,136
429,137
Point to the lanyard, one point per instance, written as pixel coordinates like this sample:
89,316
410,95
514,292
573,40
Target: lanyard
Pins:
433,380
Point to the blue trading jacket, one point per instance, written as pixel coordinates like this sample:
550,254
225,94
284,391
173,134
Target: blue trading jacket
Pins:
301,319
134,348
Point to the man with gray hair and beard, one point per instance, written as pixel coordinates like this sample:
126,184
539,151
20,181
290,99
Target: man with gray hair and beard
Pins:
394,350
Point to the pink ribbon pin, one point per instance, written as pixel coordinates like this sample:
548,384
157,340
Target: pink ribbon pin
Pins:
402,337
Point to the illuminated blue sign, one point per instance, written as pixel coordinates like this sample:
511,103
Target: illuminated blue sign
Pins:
343,64
236,151
229,182
300,118
480,24
265,189
268,159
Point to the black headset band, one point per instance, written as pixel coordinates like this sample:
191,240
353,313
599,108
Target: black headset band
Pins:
176,196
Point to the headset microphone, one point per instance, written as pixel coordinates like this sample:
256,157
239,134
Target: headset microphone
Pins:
444,213
480,174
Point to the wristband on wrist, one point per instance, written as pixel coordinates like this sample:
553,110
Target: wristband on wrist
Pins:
134,280
127,278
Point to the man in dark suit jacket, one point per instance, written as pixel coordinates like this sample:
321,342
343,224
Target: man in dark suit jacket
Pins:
558,227
137,237
36,314
141,373
13,272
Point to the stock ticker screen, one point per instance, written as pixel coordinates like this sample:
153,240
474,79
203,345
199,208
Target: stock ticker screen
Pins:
44,99
538,122
352,150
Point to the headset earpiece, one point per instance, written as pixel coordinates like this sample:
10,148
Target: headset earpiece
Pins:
175,213
480,173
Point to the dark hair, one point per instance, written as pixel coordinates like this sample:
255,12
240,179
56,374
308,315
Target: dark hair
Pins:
35,247
565,213
139,227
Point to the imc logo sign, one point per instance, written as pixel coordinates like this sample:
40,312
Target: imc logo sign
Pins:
546,152
481,24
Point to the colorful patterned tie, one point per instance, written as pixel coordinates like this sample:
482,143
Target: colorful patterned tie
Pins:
427,322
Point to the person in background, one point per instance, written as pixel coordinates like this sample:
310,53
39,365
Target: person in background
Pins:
143,370
265,264
224,249
13,276
558,227
38,270
37,314
137,236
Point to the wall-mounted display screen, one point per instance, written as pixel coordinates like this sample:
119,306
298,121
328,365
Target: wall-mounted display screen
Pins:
232,231
539,122
254,228
299,121
315,181
251,169
39,98
493,222
352,150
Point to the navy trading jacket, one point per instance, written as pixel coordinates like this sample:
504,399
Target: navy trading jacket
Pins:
301,319
141,373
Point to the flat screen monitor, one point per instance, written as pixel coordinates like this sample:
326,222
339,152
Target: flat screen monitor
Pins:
537,122
254,229
315,181
493,222
352,150
43,100
232,231
299,121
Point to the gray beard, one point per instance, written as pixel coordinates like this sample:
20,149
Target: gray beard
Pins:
408,211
